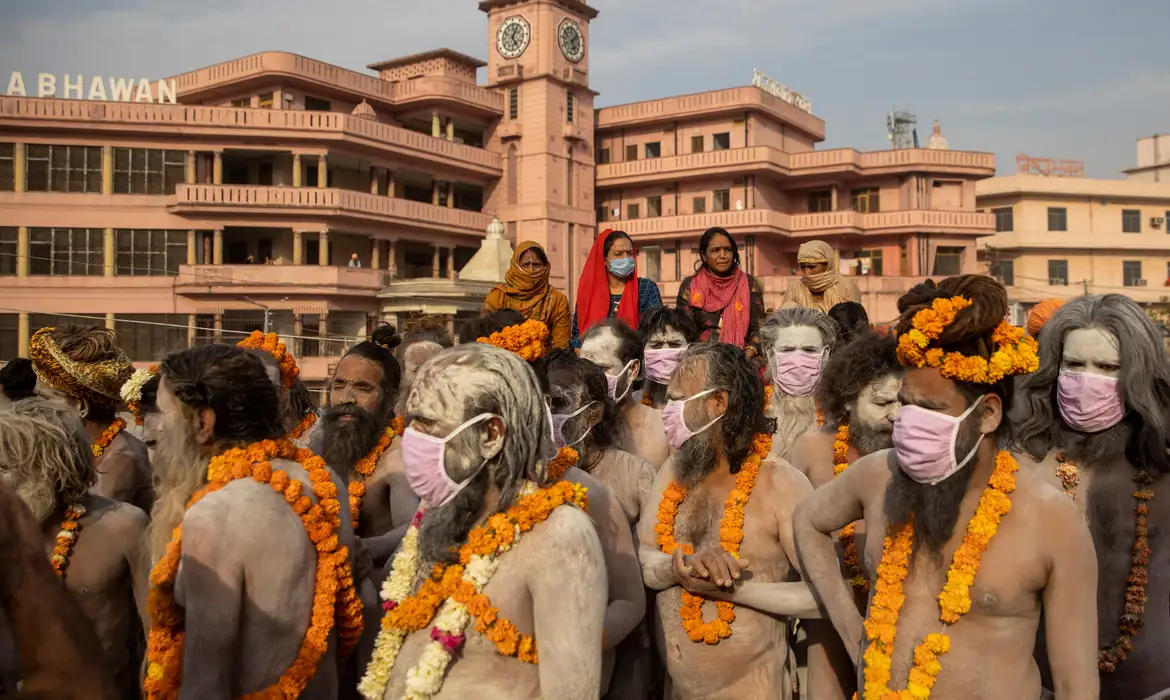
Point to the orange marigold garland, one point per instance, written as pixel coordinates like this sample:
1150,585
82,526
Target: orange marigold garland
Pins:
303,427
1016,352
270,343
566,457
363,470
730,537
529,340
399,425
881,626
848,535
66,538
103,443
1070,479
334,598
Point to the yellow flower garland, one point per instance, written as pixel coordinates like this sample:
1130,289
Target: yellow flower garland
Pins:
881,626
848,535
528,340
1016,352
103,443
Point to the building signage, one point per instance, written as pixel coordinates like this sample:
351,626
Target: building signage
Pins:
775,89
80,87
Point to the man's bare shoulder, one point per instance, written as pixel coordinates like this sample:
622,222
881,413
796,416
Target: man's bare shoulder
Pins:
813,441
127,446
115,518
631,462
567,531
390,463
786,484
1043,500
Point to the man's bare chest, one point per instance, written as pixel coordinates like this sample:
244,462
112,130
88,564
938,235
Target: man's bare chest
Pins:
701,520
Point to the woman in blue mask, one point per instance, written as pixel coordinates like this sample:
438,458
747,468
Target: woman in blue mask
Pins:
610,286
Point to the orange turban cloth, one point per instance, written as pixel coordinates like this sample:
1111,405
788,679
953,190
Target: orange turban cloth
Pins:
1040,314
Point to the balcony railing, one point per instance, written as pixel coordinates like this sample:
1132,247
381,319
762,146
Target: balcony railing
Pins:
803,225
744,221
716,101
305,279
850,159
707,163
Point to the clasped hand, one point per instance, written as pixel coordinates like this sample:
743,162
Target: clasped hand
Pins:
709,571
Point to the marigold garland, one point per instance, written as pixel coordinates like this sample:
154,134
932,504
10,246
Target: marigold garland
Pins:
881,626
365,468
303,427
103,443
1070,479
334,597
730,537
67,538
270,343
848,534
566,457
529,340
399,425
1016,352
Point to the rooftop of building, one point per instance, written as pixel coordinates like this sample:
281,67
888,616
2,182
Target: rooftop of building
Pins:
577,6
449,54
1071,187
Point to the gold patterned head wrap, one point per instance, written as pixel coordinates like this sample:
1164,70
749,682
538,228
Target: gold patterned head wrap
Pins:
82,362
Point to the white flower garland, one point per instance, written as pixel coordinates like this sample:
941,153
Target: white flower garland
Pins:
132,388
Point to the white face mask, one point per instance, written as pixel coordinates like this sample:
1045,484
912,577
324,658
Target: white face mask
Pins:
558,426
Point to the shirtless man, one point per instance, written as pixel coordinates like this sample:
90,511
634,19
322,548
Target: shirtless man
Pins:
585,420
242,580
476,433
797,344
924,493
45,457
1095,412
859,396
422,339
665,332
298,414
716,423
617,350
83,367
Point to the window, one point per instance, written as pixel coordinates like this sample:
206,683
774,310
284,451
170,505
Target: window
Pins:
66,251
1057,270
316,104
1057,219
948,261
8,236
7,167
697,144
569,107
721,200
721,142
654,206
147,337
602,213
632,211
1004,271
242,102
149,253
266,101
654,149
874,265
632,152
866,200
1131,273
699,205
602,156
147,171
653,268
821,200
513,103
1131,221
1004,219
9,325
64,168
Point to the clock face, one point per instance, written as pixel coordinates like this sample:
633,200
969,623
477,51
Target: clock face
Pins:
572,40
512,39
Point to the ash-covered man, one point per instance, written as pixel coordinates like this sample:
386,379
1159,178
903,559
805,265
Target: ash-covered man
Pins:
859,397
84,367
1092,420
666,333
723,618
423,337
261,567
975,547
93,543
797,344
476,446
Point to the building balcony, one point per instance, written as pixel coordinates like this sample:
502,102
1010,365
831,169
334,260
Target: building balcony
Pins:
743,222
299,280
713,104
90,294
1148,240
850,161
227,201
249,126
730,162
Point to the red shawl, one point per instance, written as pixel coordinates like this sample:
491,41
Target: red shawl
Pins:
731,295
593,291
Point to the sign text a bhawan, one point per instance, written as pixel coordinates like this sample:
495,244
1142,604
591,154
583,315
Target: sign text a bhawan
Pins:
80,87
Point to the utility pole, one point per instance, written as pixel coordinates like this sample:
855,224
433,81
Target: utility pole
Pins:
267,311
1085,284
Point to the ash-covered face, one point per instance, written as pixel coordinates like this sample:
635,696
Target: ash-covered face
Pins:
603,349
795,338
872,415
437,405
666,337
1092,350
568,396
696,458
152,422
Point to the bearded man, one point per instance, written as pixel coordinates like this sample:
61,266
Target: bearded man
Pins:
959,517
83,367
1092,420
797,344
716,541
91,541
666,333
261,571
476,446
821,285
423,337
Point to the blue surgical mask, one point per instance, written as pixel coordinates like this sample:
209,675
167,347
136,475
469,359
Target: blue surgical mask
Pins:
621,267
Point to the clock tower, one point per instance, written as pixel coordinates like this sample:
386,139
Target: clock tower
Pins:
539,60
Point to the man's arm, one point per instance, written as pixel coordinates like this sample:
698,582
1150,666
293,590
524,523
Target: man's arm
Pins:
132,528
1070,598
627,598
658,572
117,476
568,604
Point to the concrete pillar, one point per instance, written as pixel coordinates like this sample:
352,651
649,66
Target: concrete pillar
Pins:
109,321
323,249
298,331
390,189
107,170
450,129
435,261
298,170
217,169
191,332
450,195
18,166
109,251
451,324
435,192
451,263
192,251
22,251
436,125
189,168
322,172
374,179
217,248
833,198
391,259
217,326
298,248
375,254
22,334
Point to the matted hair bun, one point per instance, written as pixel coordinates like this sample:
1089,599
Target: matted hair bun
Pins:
989,306
386,336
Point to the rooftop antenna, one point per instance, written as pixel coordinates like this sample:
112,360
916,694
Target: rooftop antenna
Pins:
901,128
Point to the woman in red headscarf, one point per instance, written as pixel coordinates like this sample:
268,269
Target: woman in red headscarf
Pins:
610,285
726,303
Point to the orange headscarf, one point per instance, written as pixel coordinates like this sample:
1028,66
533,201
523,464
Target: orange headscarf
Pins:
527,293
1040,314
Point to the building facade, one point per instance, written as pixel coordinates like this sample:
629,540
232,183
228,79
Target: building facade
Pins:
284,192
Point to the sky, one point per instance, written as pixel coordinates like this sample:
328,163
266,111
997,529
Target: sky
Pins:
1062,79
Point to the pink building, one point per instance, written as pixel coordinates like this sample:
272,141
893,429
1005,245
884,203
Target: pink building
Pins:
159,217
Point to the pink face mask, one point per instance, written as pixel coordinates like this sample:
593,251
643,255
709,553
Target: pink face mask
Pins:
798,372
424,459
613,380
1089,402
661,363
558,426
924,443
677,431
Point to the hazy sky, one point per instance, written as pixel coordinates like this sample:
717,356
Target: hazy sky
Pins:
1080,79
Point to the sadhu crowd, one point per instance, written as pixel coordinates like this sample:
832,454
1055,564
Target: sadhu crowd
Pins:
620,499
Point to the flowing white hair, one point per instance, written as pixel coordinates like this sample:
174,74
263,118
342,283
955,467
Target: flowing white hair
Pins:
45,442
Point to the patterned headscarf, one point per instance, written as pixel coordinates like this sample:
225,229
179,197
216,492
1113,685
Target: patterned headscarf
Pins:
95,384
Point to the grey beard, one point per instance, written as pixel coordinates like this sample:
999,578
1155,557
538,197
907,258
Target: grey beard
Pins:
795,416
695,459
867,440
1093,448
39,496
444,529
